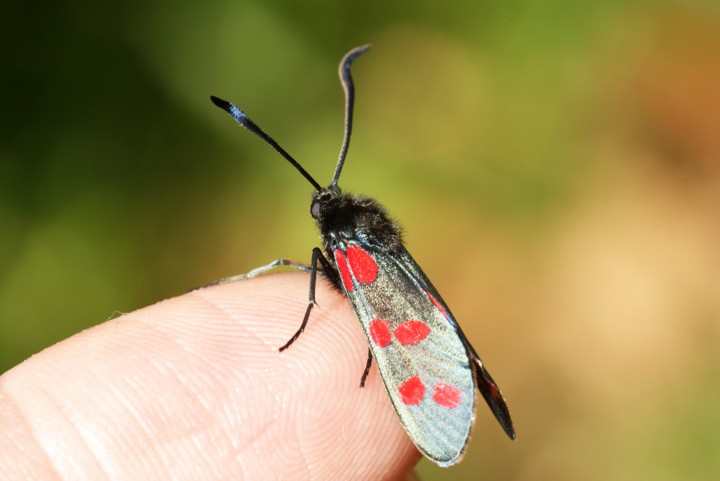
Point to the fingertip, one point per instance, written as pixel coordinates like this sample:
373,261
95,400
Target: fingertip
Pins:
197,383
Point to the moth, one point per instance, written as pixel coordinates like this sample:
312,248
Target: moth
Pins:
428,366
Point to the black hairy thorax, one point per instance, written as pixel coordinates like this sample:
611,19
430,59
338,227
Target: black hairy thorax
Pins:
343,217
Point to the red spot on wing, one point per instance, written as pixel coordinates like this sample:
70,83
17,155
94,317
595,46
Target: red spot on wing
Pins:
447,395
380,332
437,304
412,391
411,332
342,266
362,264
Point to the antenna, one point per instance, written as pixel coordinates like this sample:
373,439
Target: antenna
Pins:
349,88
246,122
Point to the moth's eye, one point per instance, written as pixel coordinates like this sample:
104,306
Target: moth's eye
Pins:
315,209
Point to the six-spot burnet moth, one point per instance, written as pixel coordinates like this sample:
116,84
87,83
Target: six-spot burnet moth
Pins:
428,366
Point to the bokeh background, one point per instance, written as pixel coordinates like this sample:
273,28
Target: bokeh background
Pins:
556,165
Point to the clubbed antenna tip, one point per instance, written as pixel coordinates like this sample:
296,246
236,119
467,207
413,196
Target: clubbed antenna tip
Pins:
245,121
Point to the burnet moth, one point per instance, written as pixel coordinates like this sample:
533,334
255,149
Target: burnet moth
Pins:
428,366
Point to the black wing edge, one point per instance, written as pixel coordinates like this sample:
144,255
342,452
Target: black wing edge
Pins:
488,388
493,397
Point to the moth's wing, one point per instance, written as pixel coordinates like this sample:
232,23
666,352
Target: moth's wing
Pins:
421,356
486,385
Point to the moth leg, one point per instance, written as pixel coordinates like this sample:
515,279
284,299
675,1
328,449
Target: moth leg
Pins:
258,271
327,269
367,369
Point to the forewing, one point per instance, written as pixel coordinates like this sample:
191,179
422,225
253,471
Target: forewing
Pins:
419,353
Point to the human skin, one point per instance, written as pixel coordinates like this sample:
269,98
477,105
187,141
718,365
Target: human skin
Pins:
194,388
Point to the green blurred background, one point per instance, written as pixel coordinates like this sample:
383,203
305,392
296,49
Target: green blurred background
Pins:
556,165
